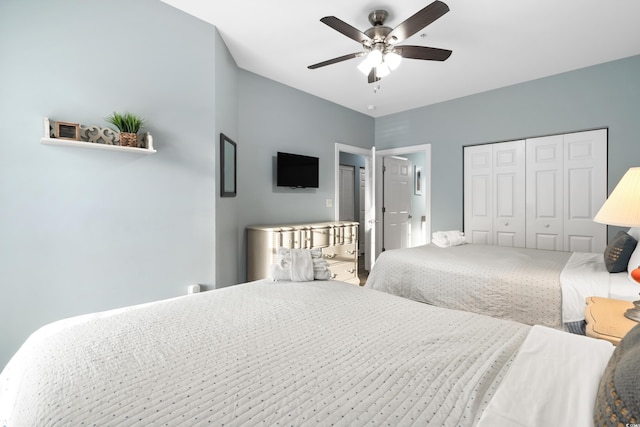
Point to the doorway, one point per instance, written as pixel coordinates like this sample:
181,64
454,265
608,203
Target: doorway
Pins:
370,225
419,224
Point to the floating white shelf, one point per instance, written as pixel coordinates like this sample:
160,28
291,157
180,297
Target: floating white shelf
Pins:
71,143
46,139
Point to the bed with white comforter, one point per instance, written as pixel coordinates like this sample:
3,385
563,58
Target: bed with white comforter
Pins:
293,354
531,286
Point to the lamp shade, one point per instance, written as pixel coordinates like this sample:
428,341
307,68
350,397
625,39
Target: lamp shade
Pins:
392,59
622,208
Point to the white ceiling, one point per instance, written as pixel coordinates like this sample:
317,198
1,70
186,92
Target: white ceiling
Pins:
495,43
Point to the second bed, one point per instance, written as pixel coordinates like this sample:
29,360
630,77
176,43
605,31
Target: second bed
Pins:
531,286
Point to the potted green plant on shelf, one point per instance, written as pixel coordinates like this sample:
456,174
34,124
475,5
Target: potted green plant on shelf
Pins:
129,125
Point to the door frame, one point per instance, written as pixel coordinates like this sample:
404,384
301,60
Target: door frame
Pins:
369,214
352,170
426,173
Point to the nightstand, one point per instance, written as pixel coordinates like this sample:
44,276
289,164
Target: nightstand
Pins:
605,318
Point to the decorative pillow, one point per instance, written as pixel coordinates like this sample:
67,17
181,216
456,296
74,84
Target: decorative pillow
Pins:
618,398
618,252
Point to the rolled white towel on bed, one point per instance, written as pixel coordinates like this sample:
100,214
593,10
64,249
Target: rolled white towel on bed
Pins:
281,270
277,272
445,239
321,270
301,265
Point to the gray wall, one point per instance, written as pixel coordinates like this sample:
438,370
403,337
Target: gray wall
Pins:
227,244
274,117
83,230
606,95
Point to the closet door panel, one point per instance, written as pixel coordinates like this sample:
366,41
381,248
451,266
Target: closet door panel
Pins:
509,203
585,190
478,194
544,188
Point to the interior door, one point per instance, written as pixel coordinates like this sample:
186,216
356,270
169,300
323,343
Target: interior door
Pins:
585,190
361,214
347,193
478,194
397,181
544,193
508,181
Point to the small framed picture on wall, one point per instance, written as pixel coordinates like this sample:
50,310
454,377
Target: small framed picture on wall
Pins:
417,180
65,130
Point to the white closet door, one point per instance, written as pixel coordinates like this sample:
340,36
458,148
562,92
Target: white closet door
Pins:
585,189
478,194
509,197
545,178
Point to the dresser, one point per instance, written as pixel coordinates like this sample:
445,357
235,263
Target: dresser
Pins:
338,241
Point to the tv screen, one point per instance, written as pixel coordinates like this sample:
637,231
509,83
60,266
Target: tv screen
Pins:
297,171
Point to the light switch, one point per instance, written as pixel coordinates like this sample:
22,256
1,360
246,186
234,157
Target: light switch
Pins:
329,203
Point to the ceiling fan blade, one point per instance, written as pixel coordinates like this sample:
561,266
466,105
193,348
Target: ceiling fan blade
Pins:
423,52
373,77
335,60
417,22
346,29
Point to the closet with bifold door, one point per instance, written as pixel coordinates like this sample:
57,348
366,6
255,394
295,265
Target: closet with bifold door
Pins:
537,193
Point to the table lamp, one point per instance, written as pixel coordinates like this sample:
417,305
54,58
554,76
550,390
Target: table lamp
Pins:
622,208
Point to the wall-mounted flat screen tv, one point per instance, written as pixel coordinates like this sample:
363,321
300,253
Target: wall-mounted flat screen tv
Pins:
297,171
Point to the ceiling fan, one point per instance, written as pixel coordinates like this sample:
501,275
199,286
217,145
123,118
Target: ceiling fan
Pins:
379,42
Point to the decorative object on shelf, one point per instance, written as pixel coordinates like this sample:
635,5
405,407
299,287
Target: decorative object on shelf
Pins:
228,166
129,125
65,130
622,208
96,137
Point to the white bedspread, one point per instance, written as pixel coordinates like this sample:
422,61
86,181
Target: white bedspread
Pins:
552,382
262,353
508,283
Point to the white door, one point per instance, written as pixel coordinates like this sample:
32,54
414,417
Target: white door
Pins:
367,226
509,197
494,200
545,223
478,194
585,190
347,193
361,213
397,181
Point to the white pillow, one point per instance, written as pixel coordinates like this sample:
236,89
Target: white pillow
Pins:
634,262
634,232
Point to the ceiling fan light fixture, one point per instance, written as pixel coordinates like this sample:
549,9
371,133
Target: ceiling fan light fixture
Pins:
374,57
365,67
382,70
392,60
